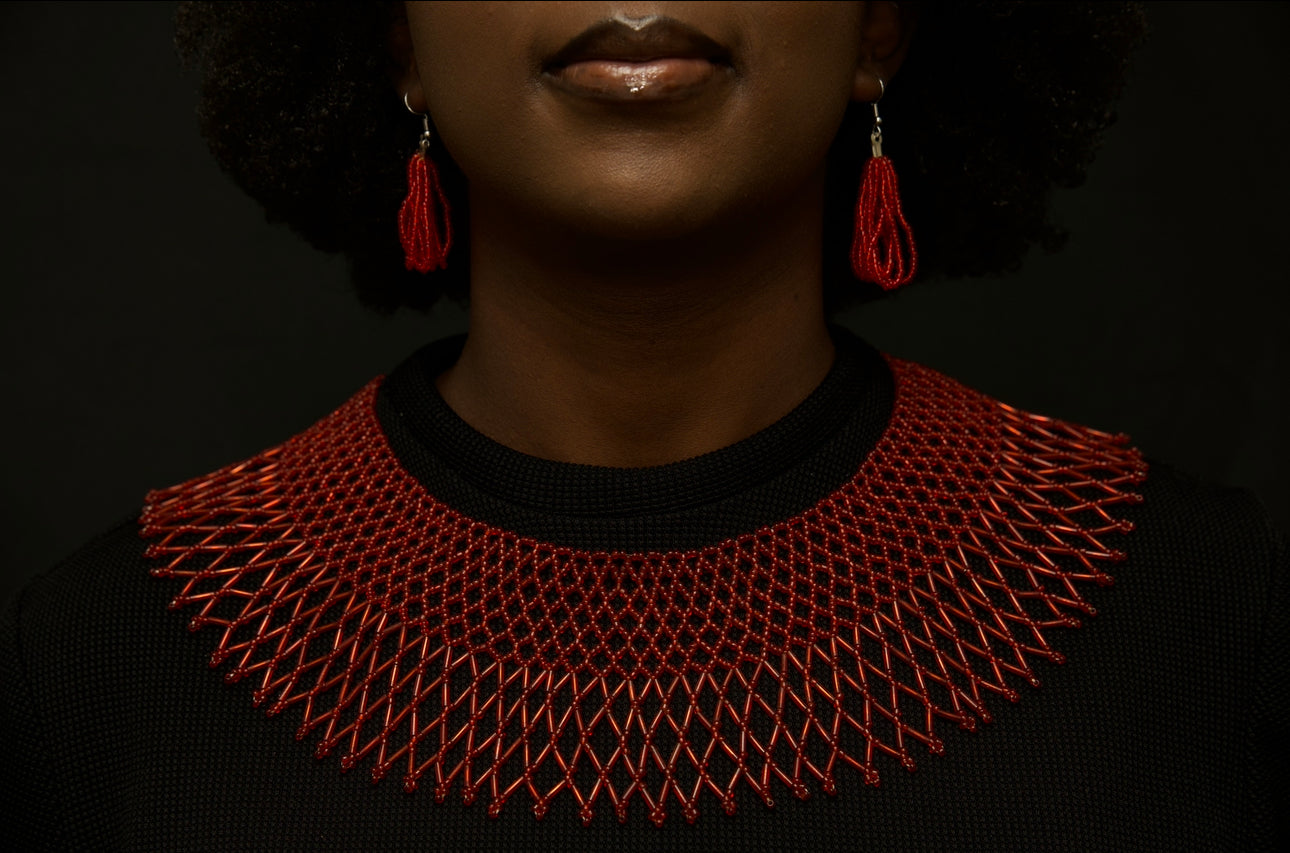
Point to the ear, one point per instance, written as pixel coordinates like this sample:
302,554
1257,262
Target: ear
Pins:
886,30
403,60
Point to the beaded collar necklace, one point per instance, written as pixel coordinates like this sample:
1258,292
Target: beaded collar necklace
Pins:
807,654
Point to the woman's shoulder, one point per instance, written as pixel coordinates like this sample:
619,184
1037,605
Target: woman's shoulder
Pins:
85,582
92,602
1214,534
1226,513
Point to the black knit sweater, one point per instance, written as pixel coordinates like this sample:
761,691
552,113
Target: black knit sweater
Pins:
1158,732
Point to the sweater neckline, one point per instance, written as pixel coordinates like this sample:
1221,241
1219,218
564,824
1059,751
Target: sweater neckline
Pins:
768,476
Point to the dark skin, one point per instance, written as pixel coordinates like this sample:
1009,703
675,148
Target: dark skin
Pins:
646,282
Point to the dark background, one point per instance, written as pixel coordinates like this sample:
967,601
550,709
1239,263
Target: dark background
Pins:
155,328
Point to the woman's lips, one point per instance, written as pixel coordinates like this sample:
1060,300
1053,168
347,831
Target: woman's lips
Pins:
638,60
661,79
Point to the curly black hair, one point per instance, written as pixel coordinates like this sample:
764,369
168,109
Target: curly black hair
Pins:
996,103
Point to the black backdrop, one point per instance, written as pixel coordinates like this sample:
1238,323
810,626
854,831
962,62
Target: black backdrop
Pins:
155,328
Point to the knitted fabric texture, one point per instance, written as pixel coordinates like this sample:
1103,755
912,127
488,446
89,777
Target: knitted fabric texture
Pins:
798,656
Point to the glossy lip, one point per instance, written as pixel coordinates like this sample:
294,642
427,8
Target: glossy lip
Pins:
653,59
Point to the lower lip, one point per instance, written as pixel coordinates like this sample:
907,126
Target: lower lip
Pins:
654,80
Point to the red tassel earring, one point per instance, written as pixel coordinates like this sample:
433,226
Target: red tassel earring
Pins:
883,250
425,227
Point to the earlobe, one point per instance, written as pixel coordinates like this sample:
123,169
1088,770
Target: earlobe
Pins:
868,84
886,29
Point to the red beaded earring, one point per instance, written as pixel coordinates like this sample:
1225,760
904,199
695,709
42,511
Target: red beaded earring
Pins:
425,227
883,250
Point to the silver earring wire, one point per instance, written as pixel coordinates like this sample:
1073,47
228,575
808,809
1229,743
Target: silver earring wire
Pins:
425,126
875,136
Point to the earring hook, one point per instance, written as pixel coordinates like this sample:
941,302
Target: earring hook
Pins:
875,136
426,136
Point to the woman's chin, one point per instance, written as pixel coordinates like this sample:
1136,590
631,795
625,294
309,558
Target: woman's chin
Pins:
621,213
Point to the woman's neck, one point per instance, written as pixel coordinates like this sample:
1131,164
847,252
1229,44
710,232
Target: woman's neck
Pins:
627,354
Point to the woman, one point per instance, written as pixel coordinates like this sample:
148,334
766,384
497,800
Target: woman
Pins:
654,540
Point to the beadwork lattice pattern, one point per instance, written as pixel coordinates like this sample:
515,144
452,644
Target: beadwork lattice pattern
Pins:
461,656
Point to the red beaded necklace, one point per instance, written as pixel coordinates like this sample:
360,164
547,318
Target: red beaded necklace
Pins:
461,655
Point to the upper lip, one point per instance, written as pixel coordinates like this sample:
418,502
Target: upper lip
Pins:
659,38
